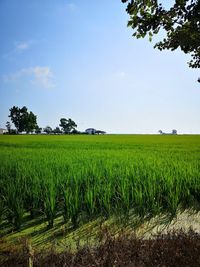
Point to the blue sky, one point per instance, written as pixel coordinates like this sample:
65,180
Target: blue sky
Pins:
77,59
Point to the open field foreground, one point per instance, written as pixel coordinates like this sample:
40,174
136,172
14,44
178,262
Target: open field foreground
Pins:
60,190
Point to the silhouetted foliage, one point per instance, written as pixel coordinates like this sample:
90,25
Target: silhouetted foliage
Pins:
8,126
48,130
22,119
57,130
181,23
38,130
68,125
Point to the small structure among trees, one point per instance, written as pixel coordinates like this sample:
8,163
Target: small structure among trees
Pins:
174,132
3,131
100,132
26,122
90,131
94,131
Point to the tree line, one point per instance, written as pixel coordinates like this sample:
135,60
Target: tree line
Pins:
25,121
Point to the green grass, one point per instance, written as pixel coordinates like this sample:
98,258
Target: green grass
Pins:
82,178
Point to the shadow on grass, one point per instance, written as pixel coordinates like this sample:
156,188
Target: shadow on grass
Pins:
175,249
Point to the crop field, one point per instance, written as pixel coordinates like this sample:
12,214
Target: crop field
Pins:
83,176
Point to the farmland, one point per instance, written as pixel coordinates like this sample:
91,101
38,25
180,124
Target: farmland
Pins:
97,176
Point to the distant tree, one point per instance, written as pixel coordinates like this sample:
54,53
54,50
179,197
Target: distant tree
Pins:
8,126
174,131
38,130
48,129
13,131
181,21
160,131
30,122
72,124
74,131
64,125
68,125
57,130
22,119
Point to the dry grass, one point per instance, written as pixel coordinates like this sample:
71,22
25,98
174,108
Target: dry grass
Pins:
175,249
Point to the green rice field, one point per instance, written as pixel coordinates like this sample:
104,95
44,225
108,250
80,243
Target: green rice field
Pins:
81,176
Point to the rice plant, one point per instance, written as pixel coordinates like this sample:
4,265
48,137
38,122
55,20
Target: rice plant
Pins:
97,175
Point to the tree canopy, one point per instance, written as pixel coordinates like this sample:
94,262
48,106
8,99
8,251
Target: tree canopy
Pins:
8,126
22,119
181,22
48,129
67,125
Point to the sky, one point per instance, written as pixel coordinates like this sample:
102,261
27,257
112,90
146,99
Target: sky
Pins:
77,59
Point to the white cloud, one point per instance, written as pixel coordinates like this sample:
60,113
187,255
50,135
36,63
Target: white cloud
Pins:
43,76
18,48
22,46
40,76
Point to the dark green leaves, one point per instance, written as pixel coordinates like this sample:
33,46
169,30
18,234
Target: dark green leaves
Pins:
181,22
22,119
